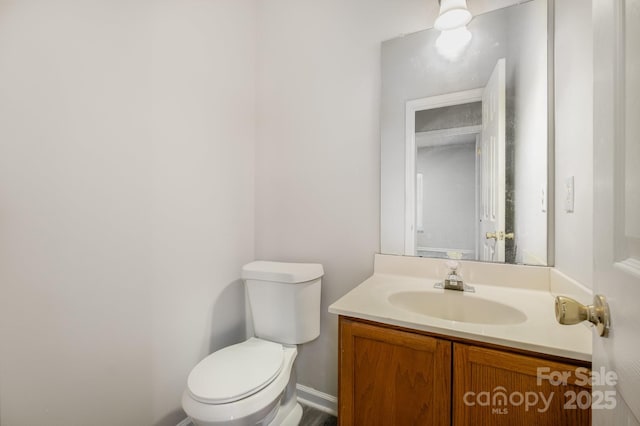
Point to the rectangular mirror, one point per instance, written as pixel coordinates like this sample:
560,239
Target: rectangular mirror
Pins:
466,140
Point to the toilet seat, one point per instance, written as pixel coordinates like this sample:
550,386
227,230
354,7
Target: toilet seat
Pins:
236,372
250,410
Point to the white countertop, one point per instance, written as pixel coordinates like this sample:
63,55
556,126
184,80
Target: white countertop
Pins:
539,332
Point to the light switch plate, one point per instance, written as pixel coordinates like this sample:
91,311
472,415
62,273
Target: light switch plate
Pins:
569,195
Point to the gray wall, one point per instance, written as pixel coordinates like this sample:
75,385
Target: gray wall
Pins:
469,114
449,194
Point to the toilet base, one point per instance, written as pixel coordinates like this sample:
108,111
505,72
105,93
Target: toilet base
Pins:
290,410
292,418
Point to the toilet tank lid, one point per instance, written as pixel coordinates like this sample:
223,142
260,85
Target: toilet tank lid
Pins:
284,272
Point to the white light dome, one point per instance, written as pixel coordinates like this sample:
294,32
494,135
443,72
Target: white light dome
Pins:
453,14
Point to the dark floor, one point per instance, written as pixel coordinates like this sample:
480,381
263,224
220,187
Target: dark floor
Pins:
313,417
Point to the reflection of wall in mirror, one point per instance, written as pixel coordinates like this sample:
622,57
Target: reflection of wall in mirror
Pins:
446,163
450,197
529,137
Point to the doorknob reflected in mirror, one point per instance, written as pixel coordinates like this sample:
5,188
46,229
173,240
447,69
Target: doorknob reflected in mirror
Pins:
499,236
569,311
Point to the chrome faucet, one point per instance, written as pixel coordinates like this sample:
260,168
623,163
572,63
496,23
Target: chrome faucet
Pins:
453,280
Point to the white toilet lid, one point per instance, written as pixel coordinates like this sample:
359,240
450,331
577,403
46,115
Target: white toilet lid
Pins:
236,372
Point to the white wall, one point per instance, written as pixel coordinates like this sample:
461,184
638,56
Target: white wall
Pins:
318,149
126,202
574,138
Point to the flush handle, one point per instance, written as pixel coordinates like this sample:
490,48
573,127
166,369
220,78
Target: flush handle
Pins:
569,311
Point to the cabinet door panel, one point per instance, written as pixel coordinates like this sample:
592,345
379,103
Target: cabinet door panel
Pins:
497,388
390,377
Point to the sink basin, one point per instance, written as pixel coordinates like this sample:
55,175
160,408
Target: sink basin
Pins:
457,306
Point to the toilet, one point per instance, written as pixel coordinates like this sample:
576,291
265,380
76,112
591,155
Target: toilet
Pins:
254,382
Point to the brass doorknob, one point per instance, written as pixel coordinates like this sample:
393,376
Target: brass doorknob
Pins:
509,236
491,235
569,311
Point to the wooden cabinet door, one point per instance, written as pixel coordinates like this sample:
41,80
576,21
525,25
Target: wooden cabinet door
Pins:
390,377
495,388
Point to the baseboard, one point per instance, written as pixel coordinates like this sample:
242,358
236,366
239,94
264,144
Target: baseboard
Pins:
185,422
318,400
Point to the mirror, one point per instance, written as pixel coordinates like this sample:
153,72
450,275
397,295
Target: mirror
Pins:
465,141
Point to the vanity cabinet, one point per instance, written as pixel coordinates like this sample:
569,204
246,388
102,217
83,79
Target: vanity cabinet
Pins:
394,376
518,389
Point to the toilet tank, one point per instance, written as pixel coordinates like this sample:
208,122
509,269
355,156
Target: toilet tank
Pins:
285,300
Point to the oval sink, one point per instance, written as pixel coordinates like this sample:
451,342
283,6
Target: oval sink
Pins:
457,306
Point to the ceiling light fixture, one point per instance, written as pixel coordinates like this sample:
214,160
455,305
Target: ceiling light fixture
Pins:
453,14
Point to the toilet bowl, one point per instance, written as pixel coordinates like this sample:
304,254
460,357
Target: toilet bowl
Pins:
254,382
259,377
